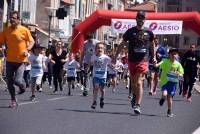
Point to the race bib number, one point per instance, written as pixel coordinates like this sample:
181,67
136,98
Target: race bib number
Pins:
139,50
100,72
71,71
172,77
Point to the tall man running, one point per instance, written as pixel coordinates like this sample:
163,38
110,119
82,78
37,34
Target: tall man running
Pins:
88,51
18,40
138,40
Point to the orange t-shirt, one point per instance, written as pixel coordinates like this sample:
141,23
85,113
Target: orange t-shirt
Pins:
16,40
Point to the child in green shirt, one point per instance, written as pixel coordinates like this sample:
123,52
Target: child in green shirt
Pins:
172,70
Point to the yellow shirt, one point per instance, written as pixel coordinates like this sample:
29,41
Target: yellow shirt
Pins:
16,40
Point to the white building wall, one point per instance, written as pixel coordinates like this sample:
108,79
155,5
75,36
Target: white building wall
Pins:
29,6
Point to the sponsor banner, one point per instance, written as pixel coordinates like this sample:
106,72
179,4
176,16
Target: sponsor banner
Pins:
156,26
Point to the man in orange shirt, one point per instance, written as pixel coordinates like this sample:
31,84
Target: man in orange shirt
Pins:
18,40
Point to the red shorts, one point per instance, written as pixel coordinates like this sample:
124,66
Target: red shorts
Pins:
141,67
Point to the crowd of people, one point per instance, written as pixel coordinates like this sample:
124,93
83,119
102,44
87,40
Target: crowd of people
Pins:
138,57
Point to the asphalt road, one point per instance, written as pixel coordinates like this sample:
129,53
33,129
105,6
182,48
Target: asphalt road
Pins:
61,114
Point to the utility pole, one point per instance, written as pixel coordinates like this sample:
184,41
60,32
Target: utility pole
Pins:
50,19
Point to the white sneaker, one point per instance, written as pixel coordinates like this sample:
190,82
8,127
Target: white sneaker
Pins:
40,90
50,87
77,85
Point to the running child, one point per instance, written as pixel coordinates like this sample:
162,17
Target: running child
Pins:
112,73
172,70
100,63
71,66
37,65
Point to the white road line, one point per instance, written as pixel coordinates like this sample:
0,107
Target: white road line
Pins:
33,102
197,131
25,103
59,98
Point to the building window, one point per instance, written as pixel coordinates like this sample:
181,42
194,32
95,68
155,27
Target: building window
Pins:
198,41
186,40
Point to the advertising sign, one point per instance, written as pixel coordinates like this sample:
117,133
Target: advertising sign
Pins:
156,26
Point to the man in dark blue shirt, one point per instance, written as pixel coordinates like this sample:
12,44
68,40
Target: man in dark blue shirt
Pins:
138,40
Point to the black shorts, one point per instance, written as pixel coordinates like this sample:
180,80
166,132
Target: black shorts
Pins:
154,69
69,79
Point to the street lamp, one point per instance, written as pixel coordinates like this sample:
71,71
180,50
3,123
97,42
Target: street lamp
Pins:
51,12
49,29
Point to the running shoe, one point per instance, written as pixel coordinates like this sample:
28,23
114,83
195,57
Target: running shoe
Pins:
40,90
85,93
150,93
94,104
32,98
189,99
137,109
13,104
101,102
161,102
169,113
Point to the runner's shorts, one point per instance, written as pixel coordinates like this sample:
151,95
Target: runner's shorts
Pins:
99,81
70,79
36,81
141,67
170,87
154,69
111,76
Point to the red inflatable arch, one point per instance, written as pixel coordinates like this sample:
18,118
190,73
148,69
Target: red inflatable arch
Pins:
191,20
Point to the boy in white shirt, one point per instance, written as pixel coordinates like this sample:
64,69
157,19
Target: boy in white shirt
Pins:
71,66
37,65
100,63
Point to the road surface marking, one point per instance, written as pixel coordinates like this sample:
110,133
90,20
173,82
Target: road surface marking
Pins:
59,98
25,103
197,131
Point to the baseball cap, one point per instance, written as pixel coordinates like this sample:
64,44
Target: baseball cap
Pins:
140,14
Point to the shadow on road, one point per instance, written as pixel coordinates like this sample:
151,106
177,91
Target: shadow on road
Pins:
157,98
117,104
96,111
103,112
4,107
117,99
